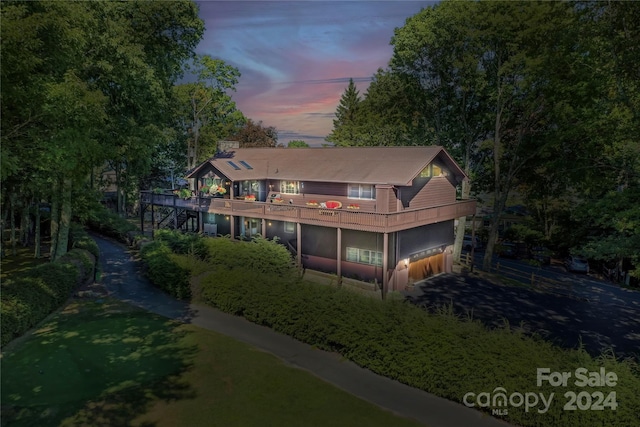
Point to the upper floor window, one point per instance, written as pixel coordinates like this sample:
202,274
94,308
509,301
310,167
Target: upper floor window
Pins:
290,187
432,170
362,191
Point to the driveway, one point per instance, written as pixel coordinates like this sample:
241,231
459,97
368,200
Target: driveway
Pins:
600,324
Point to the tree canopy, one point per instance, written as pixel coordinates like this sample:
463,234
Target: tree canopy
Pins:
84,83
536,99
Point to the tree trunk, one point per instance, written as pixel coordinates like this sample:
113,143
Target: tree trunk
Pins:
498,207
12,224
118,170
25,226
462,224
36,253
55,217
65,219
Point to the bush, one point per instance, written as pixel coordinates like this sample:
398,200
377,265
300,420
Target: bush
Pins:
259,255
79,239
110,224
164,270
32,296
183,243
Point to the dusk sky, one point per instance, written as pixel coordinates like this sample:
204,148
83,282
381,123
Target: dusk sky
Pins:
296,58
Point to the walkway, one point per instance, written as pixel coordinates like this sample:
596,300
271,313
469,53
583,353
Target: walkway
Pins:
122,278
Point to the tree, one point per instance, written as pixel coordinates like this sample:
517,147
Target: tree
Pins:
83,83
206,113
296,143
346,116
255,135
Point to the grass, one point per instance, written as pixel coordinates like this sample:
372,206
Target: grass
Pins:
111,364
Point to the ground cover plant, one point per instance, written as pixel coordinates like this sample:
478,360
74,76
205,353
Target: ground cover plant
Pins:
104,362
437,352
31,293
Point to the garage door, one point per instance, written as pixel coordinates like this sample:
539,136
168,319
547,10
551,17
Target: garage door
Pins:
426,267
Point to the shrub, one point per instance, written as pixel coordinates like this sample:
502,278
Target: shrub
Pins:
110,224
183,243
164,270
32,296
79,239
259,255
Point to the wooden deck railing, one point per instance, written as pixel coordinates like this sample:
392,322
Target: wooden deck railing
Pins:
343,218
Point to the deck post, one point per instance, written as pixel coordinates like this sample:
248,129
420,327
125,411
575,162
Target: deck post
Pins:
299,244
385,264
339,255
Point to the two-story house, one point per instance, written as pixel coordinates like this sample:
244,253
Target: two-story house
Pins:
382,214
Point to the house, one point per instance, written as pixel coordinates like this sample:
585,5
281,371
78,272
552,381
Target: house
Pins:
379,214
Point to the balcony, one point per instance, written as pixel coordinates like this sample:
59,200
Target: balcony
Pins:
337,218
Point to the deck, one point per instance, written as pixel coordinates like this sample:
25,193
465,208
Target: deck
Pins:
335,218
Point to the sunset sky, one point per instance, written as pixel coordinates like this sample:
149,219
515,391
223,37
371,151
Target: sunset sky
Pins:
296,58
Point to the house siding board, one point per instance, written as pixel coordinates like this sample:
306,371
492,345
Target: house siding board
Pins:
435,191
425,237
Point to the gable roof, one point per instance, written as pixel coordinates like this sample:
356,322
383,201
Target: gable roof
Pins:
362,165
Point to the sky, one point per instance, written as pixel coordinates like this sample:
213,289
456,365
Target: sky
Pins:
296,57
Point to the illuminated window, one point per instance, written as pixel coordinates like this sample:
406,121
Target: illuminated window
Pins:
290,187
289,227
364,256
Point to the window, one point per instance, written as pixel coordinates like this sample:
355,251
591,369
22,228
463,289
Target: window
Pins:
431,170
362,191
233,165
245,164
426,172
290,187
289,227
364,256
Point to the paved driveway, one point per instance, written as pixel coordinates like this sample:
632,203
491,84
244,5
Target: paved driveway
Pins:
565,320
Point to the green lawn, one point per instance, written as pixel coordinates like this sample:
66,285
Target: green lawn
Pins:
111,364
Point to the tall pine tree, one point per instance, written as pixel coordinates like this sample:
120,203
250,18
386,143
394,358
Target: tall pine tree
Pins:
346,117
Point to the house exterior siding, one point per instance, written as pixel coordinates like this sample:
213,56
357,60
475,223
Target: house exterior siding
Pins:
437,191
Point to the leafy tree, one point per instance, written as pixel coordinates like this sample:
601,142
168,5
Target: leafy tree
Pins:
255,135
83,83
206,112
296,143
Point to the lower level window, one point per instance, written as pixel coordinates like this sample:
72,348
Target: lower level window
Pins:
364,256
289,227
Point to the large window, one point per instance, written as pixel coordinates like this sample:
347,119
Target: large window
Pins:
290,187
362,191
364,256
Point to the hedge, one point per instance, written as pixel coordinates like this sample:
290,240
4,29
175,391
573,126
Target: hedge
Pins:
29,298
439,353
164,271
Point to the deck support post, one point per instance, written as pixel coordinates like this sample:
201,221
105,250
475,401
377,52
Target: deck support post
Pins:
385,264
339,255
